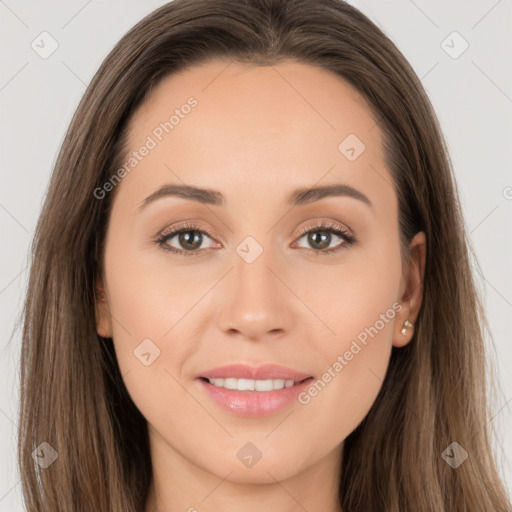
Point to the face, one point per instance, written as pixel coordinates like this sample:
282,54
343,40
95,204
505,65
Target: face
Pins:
254,273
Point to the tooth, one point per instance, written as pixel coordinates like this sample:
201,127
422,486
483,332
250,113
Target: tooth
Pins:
278,383
264,385
250,384
245,385
230,383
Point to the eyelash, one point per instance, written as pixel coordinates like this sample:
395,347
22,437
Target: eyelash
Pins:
321,226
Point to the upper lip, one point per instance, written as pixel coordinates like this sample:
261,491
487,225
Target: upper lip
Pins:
263,372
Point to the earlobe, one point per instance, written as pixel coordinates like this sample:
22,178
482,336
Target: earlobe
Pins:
103,317
413,292
405,335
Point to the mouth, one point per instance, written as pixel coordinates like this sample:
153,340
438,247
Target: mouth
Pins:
266,385
252,398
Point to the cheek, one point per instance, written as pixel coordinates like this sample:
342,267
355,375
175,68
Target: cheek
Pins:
343,394
357,300
142,316
150,298
156,311
355,364
362,314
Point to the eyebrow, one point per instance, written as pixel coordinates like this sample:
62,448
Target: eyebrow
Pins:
298,197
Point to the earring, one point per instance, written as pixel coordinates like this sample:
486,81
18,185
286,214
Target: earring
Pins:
406,324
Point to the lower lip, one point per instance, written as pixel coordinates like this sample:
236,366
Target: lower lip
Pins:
254,403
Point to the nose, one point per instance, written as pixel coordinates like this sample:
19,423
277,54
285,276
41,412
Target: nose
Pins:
255,302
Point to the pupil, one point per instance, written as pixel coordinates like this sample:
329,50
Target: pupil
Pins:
324,236
185,239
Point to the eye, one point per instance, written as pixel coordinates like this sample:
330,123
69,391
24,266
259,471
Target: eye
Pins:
189,238
320,237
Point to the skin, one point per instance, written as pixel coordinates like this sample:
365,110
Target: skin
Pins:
257,134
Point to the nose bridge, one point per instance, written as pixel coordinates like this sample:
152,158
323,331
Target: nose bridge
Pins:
252,266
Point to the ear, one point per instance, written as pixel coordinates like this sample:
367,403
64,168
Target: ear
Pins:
412,291
103,317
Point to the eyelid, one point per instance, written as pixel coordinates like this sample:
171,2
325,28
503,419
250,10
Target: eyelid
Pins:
188,226
325,224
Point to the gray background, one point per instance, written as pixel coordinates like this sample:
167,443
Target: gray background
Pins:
472,95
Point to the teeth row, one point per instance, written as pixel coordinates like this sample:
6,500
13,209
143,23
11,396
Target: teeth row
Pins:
252,385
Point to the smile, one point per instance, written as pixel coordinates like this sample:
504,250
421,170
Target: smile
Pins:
252,385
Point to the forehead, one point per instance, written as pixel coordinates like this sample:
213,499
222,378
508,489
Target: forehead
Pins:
254,127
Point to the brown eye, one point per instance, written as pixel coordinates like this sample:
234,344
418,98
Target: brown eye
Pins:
189,240
320,237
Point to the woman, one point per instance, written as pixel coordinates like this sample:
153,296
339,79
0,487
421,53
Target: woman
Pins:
322,349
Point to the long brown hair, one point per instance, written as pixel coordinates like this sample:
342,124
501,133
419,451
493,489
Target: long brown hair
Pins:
72,394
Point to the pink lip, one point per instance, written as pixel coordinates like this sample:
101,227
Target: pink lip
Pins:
264,372
254,403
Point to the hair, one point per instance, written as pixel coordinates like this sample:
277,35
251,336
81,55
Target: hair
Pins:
72,394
